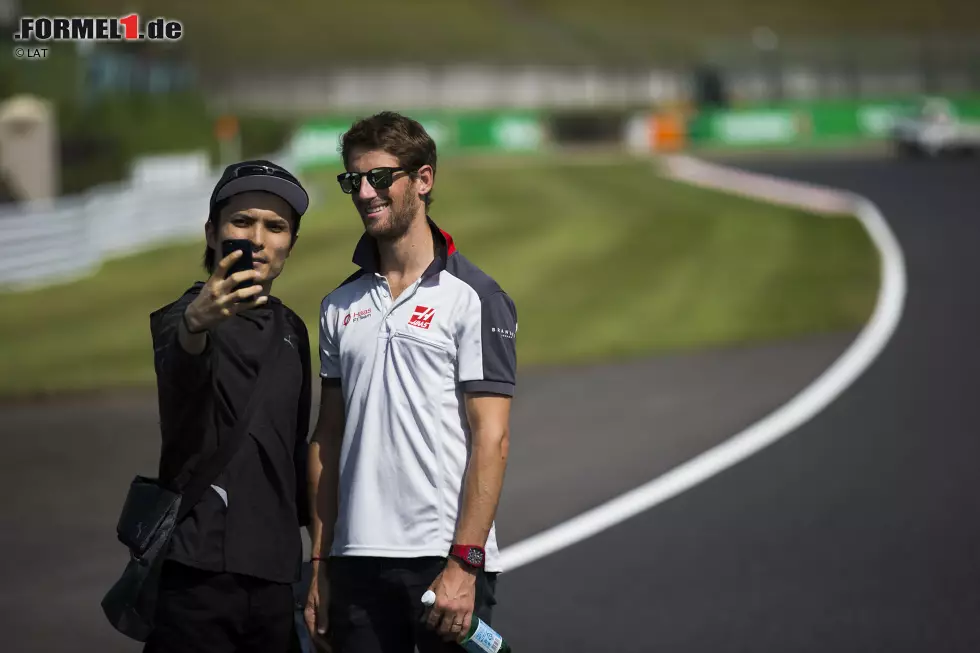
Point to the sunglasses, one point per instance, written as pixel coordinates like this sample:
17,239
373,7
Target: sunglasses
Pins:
255,169
378,178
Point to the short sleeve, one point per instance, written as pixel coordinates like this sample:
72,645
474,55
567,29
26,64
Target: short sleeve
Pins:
486,338
329,347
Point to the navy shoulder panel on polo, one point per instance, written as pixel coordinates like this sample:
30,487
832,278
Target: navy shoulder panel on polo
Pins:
497,326
465,270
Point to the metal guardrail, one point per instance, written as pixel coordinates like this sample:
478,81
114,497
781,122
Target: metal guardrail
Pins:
64,240
68,239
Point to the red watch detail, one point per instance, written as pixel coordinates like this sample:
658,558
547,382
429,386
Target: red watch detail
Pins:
470,555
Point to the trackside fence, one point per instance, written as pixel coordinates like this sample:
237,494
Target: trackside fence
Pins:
54,242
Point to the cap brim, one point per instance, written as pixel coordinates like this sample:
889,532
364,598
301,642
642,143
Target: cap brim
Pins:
289,191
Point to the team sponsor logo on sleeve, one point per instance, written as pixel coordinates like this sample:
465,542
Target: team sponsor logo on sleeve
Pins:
504,333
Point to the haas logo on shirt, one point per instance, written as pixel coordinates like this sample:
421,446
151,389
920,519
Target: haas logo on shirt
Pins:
357,316
422,317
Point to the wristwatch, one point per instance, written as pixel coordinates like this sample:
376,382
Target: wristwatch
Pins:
470,555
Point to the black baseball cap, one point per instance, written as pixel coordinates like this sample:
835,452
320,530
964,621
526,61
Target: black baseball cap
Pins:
259,174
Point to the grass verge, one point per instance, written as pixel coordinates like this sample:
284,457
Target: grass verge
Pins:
603,261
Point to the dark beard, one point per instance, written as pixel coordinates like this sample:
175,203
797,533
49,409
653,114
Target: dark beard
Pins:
401,219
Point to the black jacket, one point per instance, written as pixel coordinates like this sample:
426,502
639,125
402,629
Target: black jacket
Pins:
258,532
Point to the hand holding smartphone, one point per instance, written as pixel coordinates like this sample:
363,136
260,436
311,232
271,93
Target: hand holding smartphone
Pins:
219,302
243,263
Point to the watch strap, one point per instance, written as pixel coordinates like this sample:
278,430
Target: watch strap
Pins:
471,555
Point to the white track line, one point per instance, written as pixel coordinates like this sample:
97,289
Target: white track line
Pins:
804,406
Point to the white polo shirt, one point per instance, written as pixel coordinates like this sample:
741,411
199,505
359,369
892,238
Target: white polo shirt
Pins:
404,366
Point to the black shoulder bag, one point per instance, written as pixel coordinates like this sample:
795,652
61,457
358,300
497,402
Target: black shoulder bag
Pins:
152,511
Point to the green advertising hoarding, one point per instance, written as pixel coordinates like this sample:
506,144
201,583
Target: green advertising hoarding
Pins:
800,123
753,127
510,131
317,143
795,124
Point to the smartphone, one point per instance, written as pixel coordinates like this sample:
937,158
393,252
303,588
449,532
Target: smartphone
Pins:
244,262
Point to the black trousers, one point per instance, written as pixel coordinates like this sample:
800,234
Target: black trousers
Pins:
221,613
376,604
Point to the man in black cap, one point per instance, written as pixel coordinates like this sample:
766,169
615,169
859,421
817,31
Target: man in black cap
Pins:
226,584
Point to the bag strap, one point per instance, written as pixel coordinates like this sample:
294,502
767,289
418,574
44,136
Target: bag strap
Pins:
205,474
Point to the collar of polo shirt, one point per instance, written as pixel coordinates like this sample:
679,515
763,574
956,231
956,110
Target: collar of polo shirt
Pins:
367,258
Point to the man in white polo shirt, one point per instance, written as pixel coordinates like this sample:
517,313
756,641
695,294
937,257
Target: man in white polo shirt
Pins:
418,368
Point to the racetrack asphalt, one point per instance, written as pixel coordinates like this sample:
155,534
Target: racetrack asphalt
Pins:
580,436
859,531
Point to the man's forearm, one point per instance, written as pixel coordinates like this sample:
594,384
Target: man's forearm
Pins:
324,466
324,488
314,468
483,483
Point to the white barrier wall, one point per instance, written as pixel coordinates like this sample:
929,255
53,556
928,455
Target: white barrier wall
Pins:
72,238
53,242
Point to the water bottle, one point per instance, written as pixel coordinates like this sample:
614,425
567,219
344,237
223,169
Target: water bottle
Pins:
480,638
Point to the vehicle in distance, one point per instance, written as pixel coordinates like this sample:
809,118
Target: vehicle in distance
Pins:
933,130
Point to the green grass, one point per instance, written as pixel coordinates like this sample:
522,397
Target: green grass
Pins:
324,34
603,261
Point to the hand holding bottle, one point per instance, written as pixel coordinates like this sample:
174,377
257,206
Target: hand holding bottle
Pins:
480,638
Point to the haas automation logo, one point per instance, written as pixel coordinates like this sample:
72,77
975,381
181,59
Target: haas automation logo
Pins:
422,317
